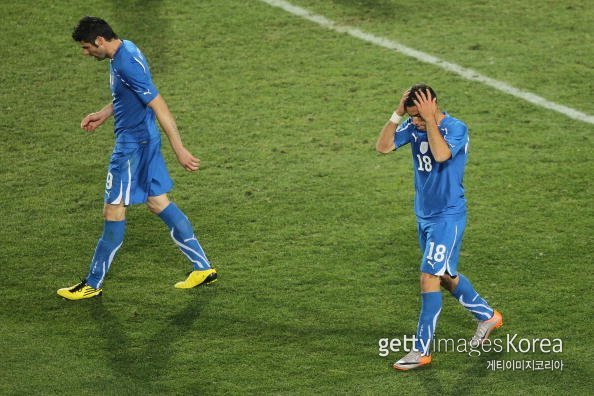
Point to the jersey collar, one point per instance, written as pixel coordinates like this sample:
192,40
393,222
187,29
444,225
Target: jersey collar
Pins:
115,55
445,120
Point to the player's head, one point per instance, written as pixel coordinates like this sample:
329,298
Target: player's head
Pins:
411,107
92,33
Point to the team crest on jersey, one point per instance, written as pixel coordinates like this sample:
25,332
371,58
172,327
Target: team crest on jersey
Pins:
424,147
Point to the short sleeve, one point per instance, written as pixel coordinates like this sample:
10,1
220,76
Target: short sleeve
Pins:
403,134
135,74
456,136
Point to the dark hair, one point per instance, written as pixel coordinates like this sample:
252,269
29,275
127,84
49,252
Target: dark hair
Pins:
418,88
89,28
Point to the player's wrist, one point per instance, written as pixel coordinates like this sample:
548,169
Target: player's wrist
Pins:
430,121
431,127
396,118
105,113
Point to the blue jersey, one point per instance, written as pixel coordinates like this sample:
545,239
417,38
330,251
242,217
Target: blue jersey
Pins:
132,89
439,192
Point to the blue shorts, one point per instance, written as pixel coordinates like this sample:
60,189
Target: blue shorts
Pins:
136,171
440,243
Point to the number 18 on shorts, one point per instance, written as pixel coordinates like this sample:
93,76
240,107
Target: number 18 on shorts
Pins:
440,243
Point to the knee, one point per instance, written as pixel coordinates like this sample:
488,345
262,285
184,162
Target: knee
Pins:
114,212
153,207
157,204
448,283
429,282
428,277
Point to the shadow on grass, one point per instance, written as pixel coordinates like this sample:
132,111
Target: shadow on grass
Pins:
138,366
471,380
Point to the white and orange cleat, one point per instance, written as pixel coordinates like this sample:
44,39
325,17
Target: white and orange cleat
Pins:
485,328
412,360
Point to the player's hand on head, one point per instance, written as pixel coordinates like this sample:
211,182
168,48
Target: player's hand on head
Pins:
400,110
187,160
426,104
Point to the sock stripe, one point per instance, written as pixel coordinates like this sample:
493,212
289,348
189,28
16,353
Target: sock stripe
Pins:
107,247
195,261
109,260
183,236
435,319
467,305
430,310
181,245
476,304
486,315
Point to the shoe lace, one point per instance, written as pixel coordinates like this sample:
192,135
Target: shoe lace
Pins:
479,334
79,286
412,356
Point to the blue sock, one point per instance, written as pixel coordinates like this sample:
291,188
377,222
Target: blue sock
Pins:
471,300
108,245
182,234
430,309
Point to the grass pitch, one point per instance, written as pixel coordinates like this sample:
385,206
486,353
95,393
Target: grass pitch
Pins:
312,232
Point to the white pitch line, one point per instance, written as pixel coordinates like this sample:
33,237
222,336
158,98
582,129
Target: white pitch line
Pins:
464,72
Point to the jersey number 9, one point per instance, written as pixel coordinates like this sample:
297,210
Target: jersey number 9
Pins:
109,181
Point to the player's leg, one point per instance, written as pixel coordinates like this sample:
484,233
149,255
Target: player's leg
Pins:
114,226
430,306
180,228
182,233
463,291
488,318
109,243
430,310
117,194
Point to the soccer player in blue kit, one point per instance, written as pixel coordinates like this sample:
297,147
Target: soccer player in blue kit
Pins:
137,172
439,144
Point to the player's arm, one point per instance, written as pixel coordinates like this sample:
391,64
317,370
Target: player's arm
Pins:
94,120
167,122
140,82
385,141
428,110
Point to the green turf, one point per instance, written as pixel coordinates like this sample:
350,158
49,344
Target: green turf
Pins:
312,232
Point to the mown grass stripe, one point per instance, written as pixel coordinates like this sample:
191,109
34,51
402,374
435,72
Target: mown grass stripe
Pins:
464,72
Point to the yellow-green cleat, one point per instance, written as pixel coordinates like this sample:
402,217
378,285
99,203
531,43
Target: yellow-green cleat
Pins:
197,278
79,291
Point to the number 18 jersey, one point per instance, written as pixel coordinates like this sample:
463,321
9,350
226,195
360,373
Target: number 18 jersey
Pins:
439,192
